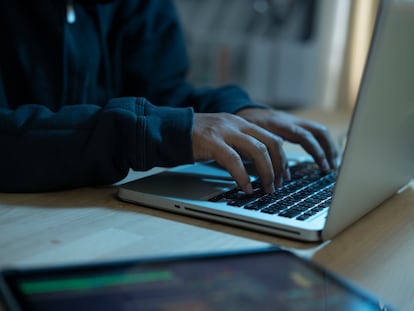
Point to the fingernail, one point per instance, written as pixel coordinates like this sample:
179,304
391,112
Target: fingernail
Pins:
278,182
248,188
287,174
325,165
337,162
270,189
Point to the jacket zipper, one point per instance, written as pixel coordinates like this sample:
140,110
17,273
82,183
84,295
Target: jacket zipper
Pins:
70,12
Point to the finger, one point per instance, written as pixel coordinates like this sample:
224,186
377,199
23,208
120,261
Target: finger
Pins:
258,153
266,152
311,145
228,158
274,145
289,129
321,133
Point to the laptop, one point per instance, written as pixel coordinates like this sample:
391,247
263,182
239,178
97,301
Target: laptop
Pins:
378,158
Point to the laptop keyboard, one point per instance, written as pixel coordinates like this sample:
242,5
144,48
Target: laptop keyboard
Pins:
308,193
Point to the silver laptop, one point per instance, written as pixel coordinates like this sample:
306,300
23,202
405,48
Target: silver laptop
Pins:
378,159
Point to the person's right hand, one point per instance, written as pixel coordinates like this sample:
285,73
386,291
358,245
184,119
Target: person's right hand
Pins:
228,139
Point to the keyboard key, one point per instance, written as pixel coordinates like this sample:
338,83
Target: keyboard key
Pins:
252,206
302,217
307,193
289,213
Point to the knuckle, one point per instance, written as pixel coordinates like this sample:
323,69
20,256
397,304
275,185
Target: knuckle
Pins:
231,157
293,129
260,147
322,130
226,117
306,135
307,138
220,119
278,141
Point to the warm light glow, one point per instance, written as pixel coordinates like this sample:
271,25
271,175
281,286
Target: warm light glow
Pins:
362,25
334,61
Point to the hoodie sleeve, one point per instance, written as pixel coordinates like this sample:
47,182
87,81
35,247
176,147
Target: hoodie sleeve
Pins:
83,145
49,143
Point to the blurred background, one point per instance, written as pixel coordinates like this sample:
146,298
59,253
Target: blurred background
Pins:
285,53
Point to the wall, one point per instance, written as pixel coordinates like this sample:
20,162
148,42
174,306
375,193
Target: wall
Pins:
285,53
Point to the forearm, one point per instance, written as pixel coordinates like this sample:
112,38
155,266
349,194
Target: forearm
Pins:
89,145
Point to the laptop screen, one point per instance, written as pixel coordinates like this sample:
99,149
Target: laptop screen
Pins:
270,280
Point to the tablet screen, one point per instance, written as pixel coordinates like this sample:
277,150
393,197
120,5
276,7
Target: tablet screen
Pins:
275,280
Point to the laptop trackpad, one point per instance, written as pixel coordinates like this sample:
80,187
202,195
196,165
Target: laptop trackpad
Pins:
195,182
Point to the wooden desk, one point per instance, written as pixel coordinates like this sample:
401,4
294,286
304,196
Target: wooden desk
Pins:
90,224
377,252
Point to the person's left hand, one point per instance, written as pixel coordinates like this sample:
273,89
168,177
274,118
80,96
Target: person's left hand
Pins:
312,136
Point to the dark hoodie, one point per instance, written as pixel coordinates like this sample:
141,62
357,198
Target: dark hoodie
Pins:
82,103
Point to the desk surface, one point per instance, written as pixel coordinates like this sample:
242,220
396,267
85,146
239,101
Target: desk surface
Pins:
89,224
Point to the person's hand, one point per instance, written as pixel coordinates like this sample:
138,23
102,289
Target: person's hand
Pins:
312,136
228,139
258,134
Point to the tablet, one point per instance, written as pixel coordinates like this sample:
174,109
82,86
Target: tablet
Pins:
260,279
